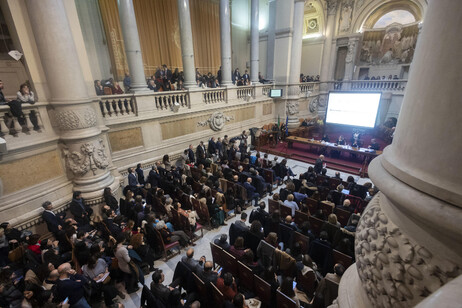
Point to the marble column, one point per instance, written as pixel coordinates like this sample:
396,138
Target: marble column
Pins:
326,51
350,58
408,238
85,148
254,41
132,46
295,63
225,40
187,48
271,39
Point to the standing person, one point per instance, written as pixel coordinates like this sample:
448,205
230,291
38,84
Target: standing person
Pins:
219,78
219,147
133,181
127,82
81,211
54,222
319,164
200,153
191,157
140,173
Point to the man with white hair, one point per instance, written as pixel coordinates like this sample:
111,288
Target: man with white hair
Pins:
70,285
346,206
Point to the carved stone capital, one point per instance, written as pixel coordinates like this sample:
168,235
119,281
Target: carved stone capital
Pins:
313,105
351,51
292,107
394,269
77,118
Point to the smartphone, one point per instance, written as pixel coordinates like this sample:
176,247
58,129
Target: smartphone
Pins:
219,271
65,301
294,284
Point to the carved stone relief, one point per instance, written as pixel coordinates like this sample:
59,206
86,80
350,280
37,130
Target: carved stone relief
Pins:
76,119
313,106
351,52
90,156
216,121
292,107
331,6
395,270
346,16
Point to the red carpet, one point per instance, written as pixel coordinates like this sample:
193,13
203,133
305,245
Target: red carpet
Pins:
302,152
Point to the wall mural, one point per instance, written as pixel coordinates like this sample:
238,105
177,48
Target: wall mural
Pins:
394,45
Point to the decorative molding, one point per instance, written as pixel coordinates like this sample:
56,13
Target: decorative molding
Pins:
313,105
76,119
393,268
331,7
216,121
285,32
351,51
90,157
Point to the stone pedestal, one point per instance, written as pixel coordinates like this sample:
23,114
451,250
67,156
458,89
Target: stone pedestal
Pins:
408,239
254,41
187,48
132,46
85,148
225,40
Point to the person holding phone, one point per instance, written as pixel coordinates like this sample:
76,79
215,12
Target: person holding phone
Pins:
70,285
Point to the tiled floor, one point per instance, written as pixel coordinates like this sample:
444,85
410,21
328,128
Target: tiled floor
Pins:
203,247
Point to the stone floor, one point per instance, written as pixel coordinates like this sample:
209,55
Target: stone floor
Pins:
202,247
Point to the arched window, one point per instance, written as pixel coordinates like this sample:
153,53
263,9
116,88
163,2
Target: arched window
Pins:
398,16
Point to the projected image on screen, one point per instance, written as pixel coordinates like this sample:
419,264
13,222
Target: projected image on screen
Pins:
355,109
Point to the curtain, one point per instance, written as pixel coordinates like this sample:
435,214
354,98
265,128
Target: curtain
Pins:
159,33
110,16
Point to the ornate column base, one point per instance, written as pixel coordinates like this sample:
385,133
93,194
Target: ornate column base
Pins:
403,250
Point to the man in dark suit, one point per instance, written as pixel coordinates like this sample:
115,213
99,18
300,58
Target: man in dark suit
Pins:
140,174
374,145
70,285
240,224
251,191
114,228
207,275
212,147
158,289
246,77
191,157
318,165
54,222
80,211
266,186
193,264
200,153
259,214
154,177
133,181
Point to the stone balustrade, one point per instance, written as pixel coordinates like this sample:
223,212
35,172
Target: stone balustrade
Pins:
216,95
308,87
117,105
30,123
265,90
396,85
246,92
167,100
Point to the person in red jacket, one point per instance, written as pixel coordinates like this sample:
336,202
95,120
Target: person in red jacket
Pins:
227,286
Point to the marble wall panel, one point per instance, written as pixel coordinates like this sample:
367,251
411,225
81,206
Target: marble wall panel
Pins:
125,139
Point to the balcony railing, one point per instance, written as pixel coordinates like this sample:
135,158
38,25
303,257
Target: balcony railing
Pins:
397,85
246,92
214,96
167,100
117,105
28,124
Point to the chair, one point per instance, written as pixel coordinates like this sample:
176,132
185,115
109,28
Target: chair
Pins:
273,206
201,288
341,258
322,255
217,296
246,277
262,290
300,218
107,91
342,216
333,183
327,209
286,234
188,229
229,263
177,222
331,292
166,247
306,283
285,211
283,301
303,239
202,212
216,254
316,225
311,204
268,176
337,197
356,203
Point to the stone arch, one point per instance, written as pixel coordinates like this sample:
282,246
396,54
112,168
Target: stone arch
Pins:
372,12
